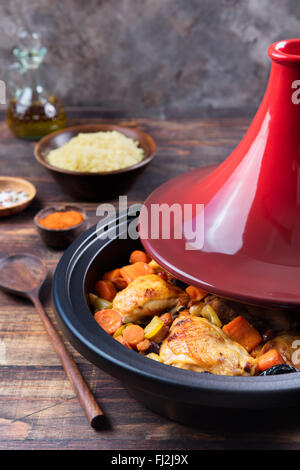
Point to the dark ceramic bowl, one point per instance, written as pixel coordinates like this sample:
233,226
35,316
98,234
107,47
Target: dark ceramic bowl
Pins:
62,238
94,186
178,394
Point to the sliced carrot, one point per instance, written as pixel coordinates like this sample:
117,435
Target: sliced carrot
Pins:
110,320
195,293
121,340
106,290
133,334
167,319
240,330
115,277
111,275
143,345
269,359
139,255
132,271
120,283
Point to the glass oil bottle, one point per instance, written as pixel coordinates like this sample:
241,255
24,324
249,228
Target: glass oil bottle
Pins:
32,111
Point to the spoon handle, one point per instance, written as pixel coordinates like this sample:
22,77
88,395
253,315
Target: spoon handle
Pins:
92,409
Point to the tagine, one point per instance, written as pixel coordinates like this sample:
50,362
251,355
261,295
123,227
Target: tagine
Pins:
251,222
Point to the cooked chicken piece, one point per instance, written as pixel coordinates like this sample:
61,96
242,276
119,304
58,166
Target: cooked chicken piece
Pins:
147,296
196,344
288,345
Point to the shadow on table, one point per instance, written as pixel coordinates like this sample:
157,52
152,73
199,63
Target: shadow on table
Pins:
229,420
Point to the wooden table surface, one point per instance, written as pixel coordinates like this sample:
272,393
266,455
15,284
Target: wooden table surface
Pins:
38,409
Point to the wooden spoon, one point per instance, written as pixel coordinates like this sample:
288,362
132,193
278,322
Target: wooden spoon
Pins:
24,275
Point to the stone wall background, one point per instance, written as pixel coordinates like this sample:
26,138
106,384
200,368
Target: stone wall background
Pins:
171,55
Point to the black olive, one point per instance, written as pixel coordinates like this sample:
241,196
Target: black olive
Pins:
280,369
267,335
179,283
153,348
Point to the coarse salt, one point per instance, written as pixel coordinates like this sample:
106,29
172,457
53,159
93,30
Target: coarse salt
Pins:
9,197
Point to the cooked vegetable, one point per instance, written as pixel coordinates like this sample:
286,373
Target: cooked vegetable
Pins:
111,275
143,345
206,311
222,308
167,319
98,303
178,308
153,327
121,340
269,359
139,255
195,293
110,320
119,331
242,332
209,313
154,347
196,309
133,334
132,271
115,277
106,290
286,343
280,369
154,356
161,335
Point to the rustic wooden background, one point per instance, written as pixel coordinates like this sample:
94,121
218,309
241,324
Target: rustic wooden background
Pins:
38,406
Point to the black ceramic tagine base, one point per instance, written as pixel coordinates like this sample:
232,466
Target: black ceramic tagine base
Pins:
175,393
221,420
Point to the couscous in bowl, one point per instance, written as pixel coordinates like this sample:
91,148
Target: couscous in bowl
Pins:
95,185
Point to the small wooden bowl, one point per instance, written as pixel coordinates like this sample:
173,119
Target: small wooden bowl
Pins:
16,184
62,238
94,186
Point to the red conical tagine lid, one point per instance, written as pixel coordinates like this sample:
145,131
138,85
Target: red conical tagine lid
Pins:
234,230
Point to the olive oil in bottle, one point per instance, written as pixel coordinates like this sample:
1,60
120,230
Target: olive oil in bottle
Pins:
32,112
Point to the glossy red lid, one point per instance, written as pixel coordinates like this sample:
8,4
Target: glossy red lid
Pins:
245,244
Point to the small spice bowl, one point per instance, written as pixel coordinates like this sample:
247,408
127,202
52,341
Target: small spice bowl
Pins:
10,183
60,238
